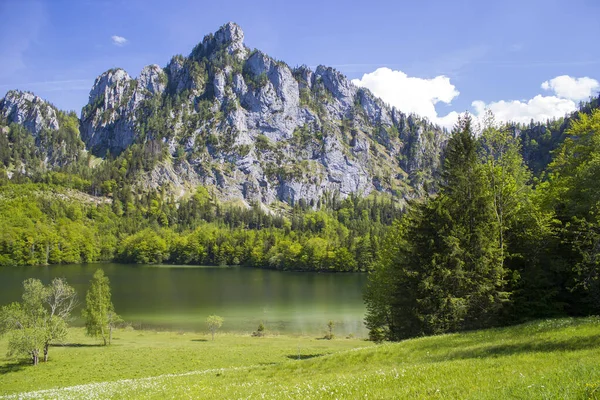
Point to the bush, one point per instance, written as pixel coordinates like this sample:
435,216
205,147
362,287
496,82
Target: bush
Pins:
260,331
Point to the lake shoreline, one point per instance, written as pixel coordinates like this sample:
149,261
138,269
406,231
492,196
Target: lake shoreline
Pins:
167,265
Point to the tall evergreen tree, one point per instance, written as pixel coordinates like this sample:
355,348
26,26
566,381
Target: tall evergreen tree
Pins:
441,267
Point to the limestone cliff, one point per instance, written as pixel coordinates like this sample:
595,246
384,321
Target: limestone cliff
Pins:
260,130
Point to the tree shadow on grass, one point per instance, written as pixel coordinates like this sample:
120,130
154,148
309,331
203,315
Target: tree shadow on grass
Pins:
303,356
199,340
13,367
533,346
77,345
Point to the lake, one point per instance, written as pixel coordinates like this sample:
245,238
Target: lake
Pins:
177,298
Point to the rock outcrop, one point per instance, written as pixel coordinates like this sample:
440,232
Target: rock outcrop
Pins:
50,138
28,110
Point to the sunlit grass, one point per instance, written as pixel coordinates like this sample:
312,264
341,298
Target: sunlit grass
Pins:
136,354
544,359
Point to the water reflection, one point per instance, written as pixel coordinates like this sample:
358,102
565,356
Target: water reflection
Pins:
181,297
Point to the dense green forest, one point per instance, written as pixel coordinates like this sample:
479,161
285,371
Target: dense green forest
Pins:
50,224
494,246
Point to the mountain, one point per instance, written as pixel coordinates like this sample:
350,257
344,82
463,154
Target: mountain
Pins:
250,126
35,136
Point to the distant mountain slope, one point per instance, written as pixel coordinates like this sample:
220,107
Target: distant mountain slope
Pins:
539,140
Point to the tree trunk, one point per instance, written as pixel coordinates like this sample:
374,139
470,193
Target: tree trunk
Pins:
46,345
35,357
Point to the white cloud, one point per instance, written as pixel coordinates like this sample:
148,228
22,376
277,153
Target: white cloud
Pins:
118,40
411,94
567,91
419,96
540,108
568,87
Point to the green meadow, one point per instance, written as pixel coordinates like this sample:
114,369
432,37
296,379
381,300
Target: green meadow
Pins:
544,359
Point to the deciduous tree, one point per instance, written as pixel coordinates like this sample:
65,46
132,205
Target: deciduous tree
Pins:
214,322
99,312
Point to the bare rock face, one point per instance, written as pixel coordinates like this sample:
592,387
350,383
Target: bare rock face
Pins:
342,90
257,130
152,80
231,37
106,121
28,110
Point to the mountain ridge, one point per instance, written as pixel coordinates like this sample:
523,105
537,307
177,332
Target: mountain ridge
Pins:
254,128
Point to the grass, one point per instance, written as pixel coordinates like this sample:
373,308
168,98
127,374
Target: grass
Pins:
543,359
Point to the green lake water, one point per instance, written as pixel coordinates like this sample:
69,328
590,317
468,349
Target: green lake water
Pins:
181,297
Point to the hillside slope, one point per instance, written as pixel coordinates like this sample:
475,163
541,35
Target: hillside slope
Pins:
542,359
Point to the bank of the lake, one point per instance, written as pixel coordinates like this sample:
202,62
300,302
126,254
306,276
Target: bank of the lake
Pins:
173,297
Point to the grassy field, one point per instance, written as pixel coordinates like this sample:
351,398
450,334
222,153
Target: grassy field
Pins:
542,360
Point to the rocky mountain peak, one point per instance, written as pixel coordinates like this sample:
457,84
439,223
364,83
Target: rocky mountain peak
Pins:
28,110
107,81
229,37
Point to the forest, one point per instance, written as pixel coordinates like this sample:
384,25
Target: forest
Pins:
495,246
49,224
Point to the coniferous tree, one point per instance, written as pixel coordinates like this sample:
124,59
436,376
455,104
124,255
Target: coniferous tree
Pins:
441,267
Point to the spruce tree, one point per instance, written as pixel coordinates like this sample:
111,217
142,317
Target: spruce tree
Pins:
440,269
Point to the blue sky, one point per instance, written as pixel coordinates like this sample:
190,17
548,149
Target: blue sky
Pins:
497,53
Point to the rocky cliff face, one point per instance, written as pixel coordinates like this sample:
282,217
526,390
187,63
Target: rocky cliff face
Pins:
252,127
28,110
108,121
50,137
258,130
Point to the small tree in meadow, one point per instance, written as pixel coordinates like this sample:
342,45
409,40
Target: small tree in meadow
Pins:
99,312
60,301
214,322
329,335
40,320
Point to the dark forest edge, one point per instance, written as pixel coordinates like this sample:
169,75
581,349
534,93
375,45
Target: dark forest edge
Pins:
494,246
